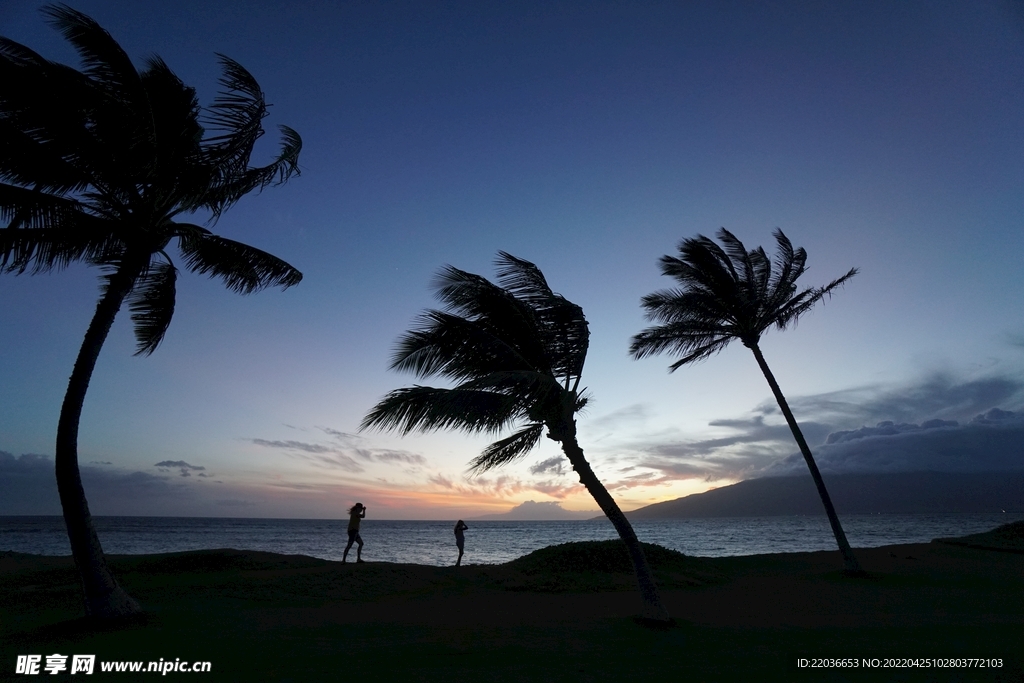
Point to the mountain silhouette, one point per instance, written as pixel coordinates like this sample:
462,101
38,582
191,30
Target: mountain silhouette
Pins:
899,492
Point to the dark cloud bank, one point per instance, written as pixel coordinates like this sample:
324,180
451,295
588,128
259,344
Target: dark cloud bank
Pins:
931,459
991,442
28,487
938,425
175,487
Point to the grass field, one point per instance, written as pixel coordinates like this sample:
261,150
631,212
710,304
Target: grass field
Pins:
560,614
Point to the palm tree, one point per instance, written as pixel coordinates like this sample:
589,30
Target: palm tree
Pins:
516,354
731,293
96,166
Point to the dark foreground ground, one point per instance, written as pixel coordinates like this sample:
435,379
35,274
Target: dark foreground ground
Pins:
561,614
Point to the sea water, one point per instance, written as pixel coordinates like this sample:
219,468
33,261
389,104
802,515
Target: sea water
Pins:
433,542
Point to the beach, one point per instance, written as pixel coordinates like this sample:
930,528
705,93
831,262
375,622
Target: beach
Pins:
562,614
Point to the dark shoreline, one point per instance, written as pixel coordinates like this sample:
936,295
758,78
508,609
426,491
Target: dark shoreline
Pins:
562,614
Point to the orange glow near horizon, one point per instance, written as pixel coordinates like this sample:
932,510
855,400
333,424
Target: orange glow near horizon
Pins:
442,502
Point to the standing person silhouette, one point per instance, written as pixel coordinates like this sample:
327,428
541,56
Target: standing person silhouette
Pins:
355,513
460,539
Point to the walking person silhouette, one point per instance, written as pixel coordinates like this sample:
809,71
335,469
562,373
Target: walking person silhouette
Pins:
460,539
355,513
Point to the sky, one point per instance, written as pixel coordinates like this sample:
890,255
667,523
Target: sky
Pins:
590,139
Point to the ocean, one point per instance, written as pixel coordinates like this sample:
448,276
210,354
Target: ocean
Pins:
433,543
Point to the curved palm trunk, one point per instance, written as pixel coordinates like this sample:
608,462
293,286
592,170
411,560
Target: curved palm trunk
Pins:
849,560
653,608
104,598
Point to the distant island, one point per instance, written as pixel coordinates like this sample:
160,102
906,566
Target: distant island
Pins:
532,511
893,493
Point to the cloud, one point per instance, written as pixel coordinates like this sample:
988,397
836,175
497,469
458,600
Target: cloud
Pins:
887,428
399,456
502,486
937,423
344,437
317,454
751,431
753,444
442,481
28,486
938,396
555,465
25,460
181,465
178,463
295,445
630,415
343,451
990,442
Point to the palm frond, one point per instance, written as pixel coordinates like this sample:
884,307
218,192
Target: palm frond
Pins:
737,256
19,54
803,302
419,408
563,328
693,341
22,207
827,289
509,449
725,293
151,302
244,269
168,150
451,346
474,297
495,310
119,109
105,62
287,162
26,161
40,250
229,187
530,385
237,114
702,265
675,305
522,279
43,116
790,264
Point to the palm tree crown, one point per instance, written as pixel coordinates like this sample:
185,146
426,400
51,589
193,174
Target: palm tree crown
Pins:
515,352
726,293
96,165
730,293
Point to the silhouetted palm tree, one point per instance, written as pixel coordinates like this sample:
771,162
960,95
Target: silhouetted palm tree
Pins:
96,166
729,294
516,354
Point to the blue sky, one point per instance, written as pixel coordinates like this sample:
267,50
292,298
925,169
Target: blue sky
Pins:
589,138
